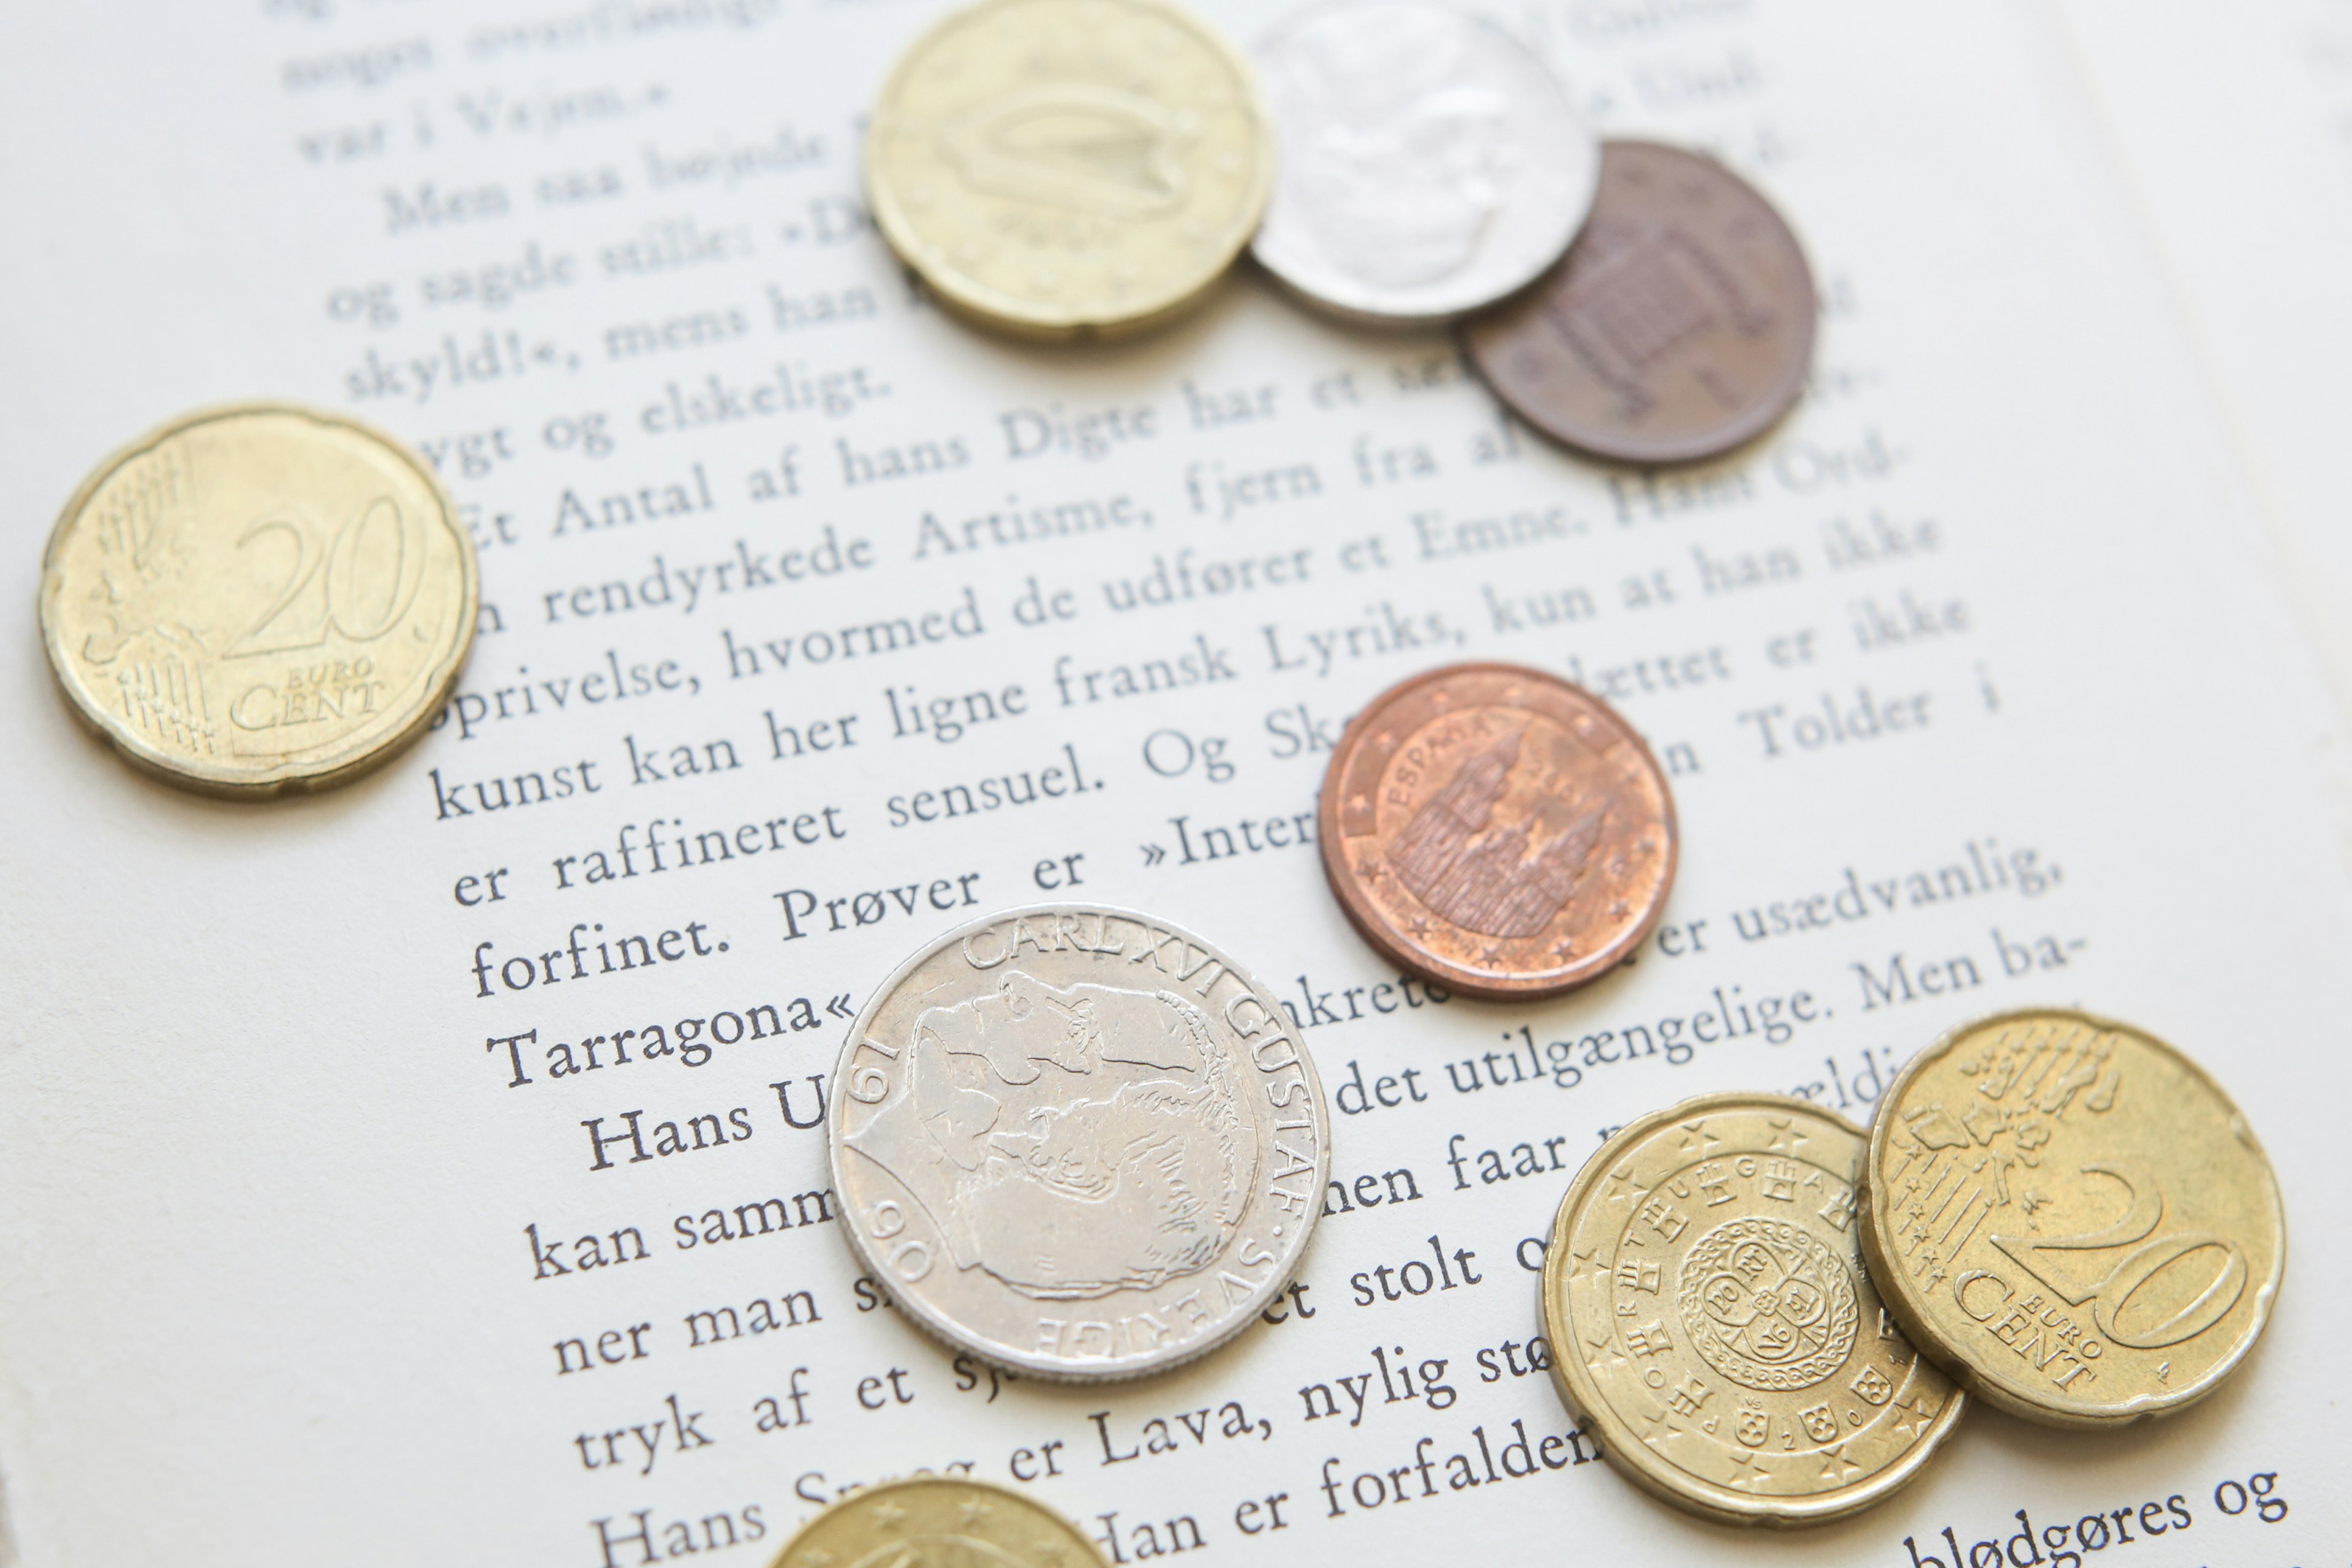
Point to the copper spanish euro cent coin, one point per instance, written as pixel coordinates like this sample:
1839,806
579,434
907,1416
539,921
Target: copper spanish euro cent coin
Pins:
1708,1313
1497,830
1678,326
1077,1142
1065,168
943,1521
259,599
2072,1217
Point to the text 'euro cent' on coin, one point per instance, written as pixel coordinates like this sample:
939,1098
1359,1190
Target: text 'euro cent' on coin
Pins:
1431,164
1678,326
2073,1217
259,599
1709,1315
1060,168
1497,830
1080,1143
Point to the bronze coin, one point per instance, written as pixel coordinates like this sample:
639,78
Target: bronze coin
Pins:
1678,326
1497,830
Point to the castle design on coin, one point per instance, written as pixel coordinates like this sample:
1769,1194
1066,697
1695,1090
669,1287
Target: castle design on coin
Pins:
2072,1217
1430,164
1077,1143
1708,1313
1497,830
259,599
1059,168
1678,326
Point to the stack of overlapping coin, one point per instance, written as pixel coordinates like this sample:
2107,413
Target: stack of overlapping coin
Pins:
1079,168
2066,1215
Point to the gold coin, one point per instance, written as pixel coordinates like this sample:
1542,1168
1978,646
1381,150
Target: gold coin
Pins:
1709,1316
1059,168
2072,1217
259,599
944,1519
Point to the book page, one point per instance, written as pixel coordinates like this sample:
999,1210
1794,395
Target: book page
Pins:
1973,678
2235,125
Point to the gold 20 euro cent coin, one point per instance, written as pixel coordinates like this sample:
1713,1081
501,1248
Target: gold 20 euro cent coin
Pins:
2072,1217
259,599
937,1520
1058,168
1709,1315
1077,1142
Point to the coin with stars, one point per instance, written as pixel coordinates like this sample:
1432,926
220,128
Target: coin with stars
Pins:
938,1521
2074,1217
1712,1323
1497,831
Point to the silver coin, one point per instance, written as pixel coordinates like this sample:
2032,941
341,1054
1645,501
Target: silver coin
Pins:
1077,1142
1431,164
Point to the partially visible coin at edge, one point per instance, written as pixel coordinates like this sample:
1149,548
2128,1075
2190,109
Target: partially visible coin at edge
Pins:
1061,168
942,1520
1077,1142
1431,164
259,599
1497,830
2073,1217
1678,326
1709,1314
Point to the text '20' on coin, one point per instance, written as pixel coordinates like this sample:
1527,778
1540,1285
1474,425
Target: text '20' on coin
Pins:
2073,1217
1678,326
1708,1313
939,1522
1077,1142
259,599
1061,167
1497,830
1431,164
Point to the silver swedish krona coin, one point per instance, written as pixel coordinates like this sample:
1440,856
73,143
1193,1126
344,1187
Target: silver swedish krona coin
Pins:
1431,164
1077,1142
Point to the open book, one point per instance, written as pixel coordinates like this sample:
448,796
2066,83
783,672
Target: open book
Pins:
1984,682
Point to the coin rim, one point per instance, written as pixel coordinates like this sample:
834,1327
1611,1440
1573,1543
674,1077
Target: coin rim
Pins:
1361,308
863,1495
288,778
1931,1340
1429,966
937,1324
1720,440
1618,1443
1009,313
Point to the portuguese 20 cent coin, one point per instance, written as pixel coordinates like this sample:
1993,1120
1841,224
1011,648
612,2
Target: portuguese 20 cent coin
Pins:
259,599
943,1521
1497,830
1431,164
1678,326
2072,1217
1708,1313
1060,168
1077,1142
